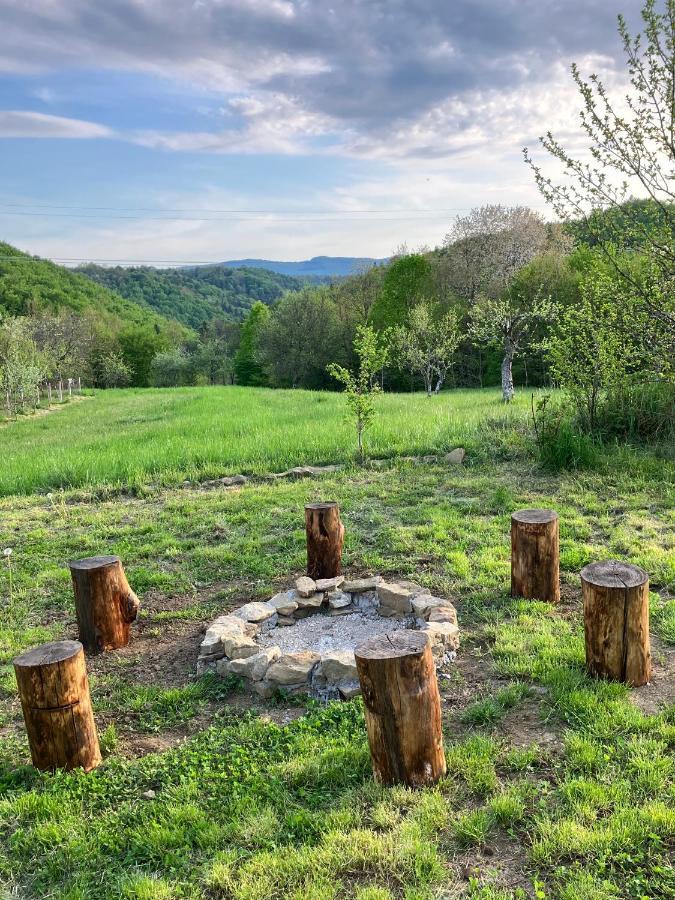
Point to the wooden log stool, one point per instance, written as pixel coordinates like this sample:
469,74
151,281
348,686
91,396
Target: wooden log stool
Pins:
403,708
105,604
535,555
616,621
325,538
54,692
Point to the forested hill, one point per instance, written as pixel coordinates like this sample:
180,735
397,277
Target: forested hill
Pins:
195,296
30,285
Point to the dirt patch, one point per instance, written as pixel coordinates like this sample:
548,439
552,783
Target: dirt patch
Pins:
501,863
660,692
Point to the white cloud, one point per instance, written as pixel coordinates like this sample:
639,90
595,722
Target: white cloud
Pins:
26,124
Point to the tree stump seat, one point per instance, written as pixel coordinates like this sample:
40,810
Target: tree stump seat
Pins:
398,682
535,553
54,692
616,621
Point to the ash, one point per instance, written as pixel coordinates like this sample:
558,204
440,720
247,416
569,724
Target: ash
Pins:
323,633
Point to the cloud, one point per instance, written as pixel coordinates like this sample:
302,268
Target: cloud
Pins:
26,124
400,77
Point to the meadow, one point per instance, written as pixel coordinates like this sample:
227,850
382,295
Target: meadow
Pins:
132,437
559,786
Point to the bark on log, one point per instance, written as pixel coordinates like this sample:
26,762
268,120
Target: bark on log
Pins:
535,555
616,621
403,708
325,537
106,606
54,692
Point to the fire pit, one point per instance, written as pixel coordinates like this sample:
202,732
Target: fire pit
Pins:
302,640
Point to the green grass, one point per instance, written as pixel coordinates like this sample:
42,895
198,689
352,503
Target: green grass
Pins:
246,808
132,437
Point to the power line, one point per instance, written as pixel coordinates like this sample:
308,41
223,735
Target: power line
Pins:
440,209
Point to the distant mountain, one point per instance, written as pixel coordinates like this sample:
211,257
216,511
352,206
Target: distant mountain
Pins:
321,266
196,295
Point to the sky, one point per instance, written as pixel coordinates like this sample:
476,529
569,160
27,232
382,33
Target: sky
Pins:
166,131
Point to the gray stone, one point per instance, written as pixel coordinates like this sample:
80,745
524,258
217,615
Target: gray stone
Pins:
264,689
293,668
223,667
338,599
206,665
455,457
212,646
231,480
256,612
237,646
313,602
423,604
365,602
444,636
255,667
446,613
305,586
359,585
306,471
285,621
349,690
330,584
396,597
341,611
338,665
387,612
285,602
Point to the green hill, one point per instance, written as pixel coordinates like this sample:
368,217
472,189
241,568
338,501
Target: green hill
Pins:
194,296
30,285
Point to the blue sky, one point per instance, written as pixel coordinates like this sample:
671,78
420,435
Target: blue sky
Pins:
143,130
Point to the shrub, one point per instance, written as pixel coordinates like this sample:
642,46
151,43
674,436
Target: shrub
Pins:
560,442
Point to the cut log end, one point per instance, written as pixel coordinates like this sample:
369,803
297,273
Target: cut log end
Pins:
93,562
393,645
614,574
48,654
535,516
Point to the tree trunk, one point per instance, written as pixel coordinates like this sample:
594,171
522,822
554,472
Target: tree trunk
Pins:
616,621
535,552
403,708
106,606
54,691
507,374
325,537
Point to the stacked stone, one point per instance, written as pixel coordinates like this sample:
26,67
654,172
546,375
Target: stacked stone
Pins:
229,645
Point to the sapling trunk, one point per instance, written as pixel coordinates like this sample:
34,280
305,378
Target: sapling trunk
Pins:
507,374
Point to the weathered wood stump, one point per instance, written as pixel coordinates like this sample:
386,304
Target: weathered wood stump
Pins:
105,604
54,692
535,555
403,708
325,537
616,621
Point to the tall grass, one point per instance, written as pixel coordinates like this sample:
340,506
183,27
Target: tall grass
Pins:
129,437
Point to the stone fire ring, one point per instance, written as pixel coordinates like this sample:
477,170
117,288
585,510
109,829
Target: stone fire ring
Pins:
232,642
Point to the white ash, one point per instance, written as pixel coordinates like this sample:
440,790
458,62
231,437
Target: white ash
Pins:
322,633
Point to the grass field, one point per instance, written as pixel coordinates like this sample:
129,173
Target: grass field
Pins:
558,786
131,437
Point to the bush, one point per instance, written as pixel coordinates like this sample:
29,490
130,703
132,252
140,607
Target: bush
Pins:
560,442
639,412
